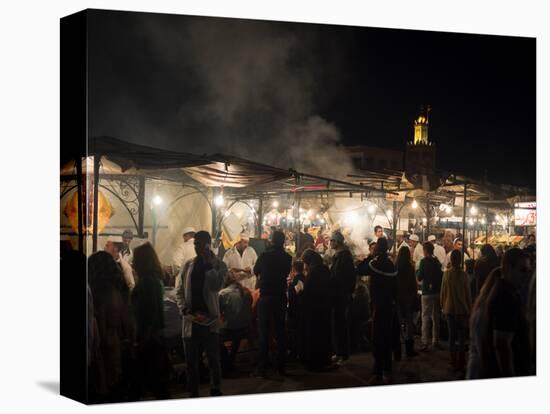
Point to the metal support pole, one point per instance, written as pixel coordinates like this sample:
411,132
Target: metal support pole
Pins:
487,225
297,217
155,224
464,224
214,215
298,228
260,216
96,203
141,206
427,215
394,217
79,192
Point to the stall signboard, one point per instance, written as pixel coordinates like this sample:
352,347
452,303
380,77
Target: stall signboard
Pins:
525,214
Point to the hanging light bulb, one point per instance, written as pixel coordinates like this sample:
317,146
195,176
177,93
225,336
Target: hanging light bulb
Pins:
371,209
218,200
157,200
473,210
414,204
275,204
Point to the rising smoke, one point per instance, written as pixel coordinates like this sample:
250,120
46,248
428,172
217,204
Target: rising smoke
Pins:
206,85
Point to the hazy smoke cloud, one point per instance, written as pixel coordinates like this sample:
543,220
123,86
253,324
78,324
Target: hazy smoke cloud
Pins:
202,85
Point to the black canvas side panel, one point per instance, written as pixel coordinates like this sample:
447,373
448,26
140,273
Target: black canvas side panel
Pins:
73,357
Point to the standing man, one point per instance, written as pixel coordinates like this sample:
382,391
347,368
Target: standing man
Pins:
378,232
114,246
417,252
198,301
305,241
457,245
186,252
342,273
240,261
439,251
272,270
383,298
430,275
127,252
399,242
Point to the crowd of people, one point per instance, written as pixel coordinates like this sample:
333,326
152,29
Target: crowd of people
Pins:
316,308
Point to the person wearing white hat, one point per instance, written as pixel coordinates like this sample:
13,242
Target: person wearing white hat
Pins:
439,251
127,252
240,260
185,252
114,246
417,252
399,241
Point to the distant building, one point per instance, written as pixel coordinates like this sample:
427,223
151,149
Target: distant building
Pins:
417,161
369,158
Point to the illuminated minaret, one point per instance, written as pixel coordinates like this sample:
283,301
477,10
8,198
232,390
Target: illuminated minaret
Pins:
421,128
420,153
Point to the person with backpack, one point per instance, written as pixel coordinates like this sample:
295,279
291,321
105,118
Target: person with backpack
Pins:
429,274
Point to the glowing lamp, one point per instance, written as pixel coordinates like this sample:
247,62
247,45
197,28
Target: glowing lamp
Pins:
157,200
218,200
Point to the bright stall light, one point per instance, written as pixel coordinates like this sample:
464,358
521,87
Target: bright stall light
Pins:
322,221
471,221
483,221
473,210
351,217
389,213
371,209
448,209
275,204
414,204
317,216
157,200
218,200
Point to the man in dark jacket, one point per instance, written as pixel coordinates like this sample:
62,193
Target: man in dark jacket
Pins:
430,275
272,269
383,296
342,284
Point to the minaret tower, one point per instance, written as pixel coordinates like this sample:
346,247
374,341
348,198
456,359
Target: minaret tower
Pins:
420,152
421,127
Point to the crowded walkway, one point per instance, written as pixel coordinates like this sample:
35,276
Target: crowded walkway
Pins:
318,321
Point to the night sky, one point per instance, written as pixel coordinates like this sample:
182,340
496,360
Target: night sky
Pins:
289,94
